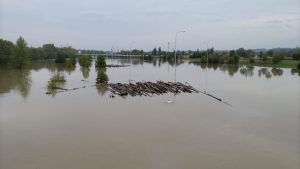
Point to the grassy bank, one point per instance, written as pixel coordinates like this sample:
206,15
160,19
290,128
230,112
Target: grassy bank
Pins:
283,64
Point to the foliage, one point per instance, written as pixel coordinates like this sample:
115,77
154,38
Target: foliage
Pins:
296,54
70,62
85,61
260,55
55,80
63,53
277,58
241,52
60,57
137,52
37,54
100,62
298,66
249,53
270,53
5,51
233,58
50,51
264,57
251,60
20,54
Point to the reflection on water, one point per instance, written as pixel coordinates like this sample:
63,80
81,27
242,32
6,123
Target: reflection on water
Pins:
85,72
276,71
57,81
19,80
247,71
84,128
264,72
295,71
13,79
101,88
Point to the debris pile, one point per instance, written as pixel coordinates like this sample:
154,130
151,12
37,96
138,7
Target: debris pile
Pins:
150,88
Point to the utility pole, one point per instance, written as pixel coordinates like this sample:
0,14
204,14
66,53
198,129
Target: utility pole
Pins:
176,52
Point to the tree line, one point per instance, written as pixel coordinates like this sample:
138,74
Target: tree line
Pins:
233,56
19,55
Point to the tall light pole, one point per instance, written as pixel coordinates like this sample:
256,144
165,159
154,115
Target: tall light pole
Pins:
168,55
206,65
176,51
130,46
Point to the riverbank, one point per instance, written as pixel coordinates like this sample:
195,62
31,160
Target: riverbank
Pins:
282,64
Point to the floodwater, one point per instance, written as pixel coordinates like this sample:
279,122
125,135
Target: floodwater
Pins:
85,128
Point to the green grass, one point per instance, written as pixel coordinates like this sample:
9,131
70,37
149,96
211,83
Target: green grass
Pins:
282,64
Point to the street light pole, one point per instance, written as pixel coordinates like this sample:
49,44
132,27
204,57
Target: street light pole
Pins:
206,66
176,52
130,48
168,55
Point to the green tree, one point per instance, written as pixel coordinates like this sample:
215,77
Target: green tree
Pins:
5,51
277,58
249,54
50,51
270,53
296,54
241,52
264,58
37,53
233,58
260,55
85,61
100,62
60,57
20,54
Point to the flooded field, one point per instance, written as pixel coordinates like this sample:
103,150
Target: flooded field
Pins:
85,128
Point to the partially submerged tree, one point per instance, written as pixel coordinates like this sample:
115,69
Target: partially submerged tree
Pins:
100,62
6,48
20,54
233,58
85,61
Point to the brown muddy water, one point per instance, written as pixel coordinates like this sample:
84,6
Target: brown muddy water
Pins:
87,129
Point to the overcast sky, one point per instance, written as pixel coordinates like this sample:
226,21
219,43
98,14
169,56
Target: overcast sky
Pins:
101,24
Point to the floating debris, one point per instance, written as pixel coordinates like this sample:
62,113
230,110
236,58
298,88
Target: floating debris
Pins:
117,65
149,88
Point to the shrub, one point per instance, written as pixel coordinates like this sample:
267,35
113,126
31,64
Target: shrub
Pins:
277,58
60,58
85,61
264,57
251,60
53,82
100,62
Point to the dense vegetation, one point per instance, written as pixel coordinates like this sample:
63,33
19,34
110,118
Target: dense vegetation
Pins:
55,80
85,61
19,55
100,62
250,56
